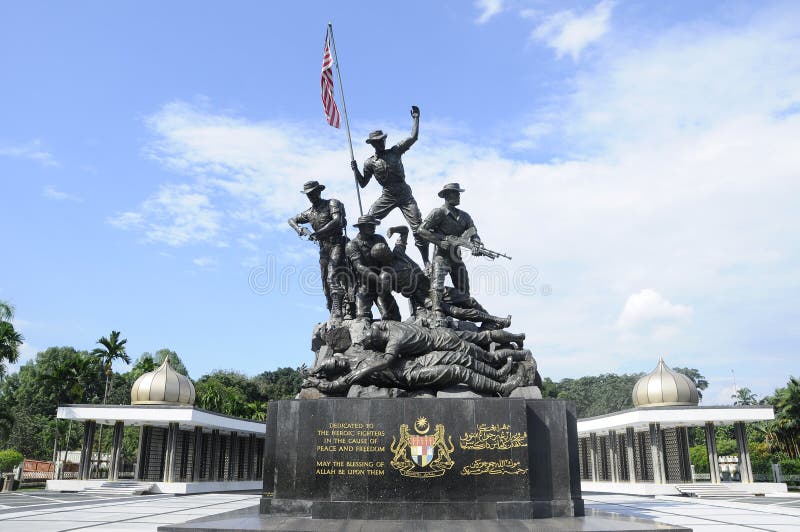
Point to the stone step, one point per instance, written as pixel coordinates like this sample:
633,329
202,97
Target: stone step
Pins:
120,488
709,491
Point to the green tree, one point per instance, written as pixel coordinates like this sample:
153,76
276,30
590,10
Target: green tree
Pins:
744,396
601,394
696,377
10,339
783,434
283,383
158,358
213,394
112,348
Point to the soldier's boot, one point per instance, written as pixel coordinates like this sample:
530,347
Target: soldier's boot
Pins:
517,355
349,308
483,384
513,382
337,303
363,306
504,337
490,323
439,317
487,370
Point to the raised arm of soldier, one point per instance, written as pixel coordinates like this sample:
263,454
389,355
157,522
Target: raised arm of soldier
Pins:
402,240
404,145
378,141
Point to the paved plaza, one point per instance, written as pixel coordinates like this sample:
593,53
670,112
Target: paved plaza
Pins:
706,515
50,512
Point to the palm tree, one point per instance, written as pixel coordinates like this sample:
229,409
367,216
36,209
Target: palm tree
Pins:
744,397
10,339
112,349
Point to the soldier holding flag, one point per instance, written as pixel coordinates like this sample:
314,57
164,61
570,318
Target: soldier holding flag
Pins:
387,167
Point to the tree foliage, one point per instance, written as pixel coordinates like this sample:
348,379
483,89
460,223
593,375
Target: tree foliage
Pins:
696,377
744,397
10,338
597,395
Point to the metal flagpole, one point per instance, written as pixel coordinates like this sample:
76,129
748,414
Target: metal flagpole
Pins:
344,109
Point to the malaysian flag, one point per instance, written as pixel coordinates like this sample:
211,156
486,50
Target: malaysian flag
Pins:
326,83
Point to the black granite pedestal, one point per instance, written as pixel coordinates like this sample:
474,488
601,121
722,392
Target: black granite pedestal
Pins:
422,459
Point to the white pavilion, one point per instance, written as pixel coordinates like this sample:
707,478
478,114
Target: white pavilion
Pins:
181,449
645,449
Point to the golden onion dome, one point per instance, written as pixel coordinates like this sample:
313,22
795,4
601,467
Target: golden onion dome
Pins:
665,387
163,386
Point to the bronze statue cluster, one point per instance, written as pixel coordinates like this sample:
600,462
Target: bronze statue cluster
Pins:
441,344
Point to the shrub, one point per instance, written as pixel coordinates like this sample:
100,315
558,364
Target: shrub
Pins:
699,458
9,459
790,466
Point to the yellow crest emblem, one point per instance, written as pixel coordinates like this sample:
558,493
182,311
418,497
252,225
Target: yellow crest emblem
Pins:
422,455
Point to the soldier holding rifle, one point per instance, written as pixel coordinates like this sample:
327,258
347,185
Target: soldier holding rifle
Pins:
450,229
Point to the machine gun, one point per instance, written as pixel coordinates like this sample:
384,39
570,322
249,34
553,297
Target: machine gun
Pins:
479,250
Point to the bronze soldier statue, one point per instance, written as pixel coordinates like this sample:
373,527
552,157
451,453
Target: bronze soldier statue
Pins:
387,167
443,222
327,219
372,286
407,340
435,370
406,277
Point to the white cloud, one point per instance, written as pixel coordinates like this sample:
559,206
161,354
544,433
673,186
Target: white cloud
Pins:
647,307
488,8
51,192
205,262
30,150
176,215
569,33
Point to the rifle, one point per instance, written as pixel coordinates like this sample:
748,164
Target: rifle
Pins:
465,241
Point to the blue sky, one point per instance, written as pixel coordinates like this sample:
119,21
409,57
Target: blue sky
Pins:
639,160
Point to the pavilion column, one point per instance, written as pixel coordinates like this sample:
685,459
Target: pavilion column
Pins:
711,448
84,466
686,459
630,456
116,450
251,458
613,453
198,454
141,452
657,454
169,455
233,461
214,467
593,465
745,467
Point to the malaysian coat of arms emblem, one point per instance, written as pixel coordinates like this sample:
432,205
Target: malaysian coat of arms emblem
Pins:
422,455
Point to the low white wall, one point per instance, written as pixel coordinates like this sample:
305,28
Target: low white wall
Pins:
648,488
177,488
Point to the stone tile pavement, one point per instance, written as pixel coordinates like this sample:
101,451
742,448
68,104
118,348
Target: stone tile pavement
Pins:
706,515
51,512
46,512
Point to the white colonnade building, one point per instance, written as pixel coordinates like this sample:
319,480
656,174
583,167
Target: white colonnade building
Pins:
181,448
645,450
